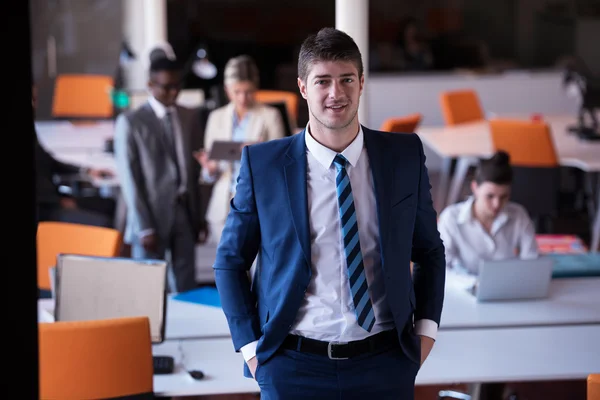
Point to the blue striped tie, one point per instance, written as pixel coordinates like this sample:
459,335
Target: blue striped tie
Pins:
356,271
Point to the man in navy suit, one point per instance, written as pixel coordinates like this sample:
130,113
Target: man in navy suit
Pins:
335,214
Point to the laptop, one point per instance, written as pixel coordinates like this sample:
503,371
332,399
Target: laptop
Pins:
514,279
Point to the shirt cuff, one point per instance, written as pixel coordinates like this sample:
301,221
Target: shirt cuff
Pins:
207,178
146,232
426,327
249,350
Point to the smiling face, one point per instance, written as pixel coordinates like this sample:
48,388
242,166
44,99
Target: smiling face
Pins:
332,90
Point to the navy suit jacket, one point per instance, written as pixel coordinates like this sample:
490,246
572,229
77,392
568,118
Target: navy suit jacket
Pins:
269,217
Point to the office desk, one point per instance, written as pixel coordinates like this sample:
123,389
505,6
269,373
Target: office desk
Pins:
68,136
571,301
490,355
80,144
473,140
184,320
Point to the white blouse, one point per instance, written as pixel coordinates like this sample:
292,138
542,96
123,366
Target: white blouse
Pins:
468,244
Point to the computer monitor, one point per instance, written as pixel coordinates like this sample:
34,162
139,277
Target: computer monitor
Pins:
92,288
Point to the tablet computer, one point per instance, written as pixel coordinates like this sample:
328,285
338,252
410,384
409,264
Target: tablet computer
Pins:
223,150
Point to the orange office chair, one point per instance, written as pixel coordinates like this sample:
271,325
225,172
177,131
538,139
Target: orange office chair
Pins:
54,238
536,179
274,96
529,143
97,359
80,96
406,124
593,387
461,106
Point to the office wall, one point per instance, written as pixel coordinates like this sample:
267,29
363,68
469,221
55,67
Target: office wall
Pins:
510,93
73,36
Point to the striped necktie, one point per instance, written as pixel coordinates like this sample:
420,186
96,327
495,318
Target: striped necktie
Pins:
356,271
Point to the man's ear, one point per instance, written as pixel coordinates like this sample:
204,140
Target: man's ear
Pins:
362,83
302,87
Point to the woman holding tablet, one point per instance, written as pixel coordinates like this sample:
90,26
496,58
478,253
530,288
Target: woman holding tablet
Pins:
242,120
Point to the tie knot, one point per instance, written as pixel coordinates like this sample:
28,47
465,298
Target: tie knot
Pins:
340,161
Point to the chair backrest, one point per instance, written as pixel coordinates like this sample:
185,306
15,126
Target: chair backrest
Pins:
54,238
82,96
405,124
529,143
593,387
461,106
274,96
536,174
96,359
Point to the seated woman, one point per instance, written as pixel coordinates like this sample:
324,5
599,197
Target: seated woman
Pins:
487,226
243,120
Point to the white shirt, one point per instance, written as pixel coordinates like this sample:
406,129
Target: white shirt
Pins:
327,311
468,244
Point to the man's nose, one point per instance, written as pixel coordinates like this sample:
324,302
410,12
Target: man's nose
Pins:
335,91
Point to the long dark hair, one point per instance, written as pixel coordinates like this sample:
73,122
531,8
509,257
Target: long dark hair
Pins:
496,169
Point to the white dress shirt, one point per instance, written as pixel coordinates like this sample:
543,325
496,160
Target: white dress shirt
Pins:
161,111
468,244
327,312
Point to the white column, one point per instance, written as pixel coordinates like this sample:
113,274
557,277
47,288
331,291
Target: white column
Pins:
136,75
155,24
352,17
144,26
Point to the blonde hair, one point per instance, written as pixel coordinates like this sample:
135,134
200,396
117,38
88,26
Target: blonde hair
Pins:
241,69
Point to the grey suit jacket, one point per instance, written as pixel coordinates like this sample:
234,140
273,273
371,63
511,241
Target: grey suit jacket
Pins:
148,174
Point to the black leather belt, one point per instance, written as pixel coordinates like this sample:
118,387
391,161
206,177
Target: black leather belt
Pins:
342,351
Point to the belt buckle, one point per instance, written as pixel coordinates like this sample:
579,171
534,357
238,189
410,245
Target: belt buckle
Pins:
330,353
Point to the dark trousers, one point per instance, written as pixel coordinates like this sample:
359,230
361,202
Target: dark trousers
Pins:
181,249
291,375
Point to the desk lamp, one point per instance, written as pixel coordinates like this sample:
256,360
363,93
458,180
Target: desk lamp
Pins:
587,90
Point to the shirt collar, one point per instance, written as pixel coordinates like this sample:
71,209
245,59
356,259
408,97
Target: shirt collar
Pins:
325,155
159,109
466,215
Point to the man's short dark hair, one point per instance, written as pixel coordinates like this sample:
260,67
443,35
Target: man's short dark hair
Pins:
496,169
329,44
164,64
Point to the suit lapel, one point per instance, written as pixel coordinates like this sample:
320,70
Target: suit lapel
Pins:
380,165
155,124
295,179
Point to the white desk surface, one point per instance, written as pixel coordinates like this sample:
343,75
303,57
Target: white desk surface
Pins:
494,355
65,135
184,320
474,140
571,301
